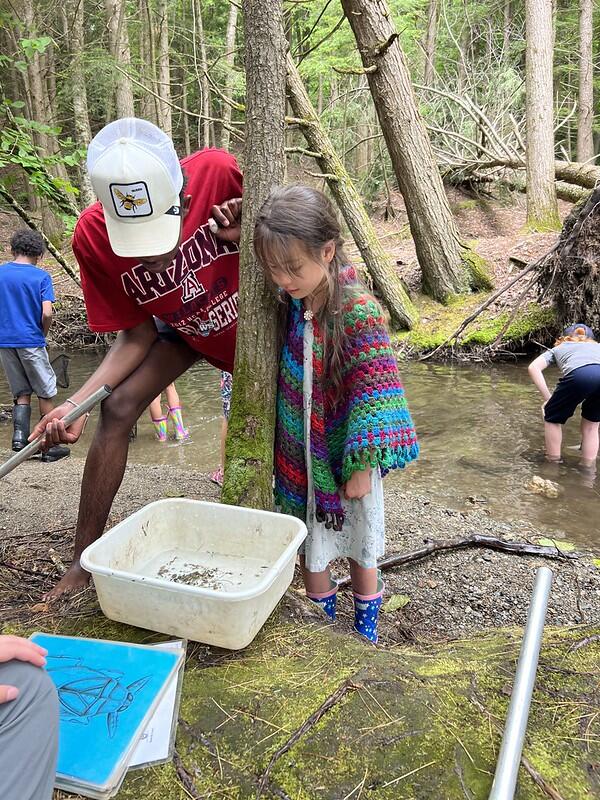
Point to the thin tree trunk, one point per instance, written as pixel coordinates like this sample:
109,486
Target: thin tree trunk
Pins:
118,39
164,69
249,450
447,264
149,103
506,28
187,143
204,86
585,138
81,117
36,90
383,273
229,76
430,42
542,207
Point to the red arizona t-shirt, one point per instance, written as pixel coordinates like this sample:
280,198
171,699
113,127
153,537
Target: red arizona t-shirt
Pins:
197,295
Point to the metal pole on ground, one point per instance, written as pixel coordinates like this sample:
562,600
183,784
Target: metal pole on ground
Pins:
507,769
32,448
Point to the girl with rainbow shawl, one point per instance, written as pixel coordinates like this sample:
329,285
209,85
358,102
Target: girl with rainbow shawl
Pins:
342,418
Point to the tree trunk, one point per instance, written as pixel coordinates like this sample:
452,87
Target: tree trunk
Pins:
430,42
384,275
164,70
149,103
506,28
81,117
585,138
36,89
229,77
542,208
249,450
118,41
570,276
448,266
204,137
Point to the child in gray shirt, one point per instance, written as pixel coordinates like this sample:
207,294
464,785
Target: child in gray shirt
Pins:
577,355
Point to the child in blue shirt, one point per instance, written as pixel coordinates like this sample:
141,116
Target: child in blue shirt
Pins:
26,297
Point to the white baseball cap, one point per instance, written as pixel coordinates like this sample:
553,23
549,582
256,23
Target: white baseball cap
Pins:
137,177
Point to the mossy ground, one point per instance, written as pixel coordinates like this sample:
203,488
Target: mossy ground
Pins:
438,322
416,722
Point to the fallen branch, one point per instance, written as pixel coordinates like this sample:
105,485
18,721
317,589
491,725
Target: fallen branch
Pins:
186,779
331,701
477,540
515,310
540,781
480,309
584,642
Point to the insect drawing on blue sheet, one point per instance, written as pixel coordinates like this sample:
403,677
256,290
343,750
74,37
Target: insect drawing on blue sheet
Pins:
85,693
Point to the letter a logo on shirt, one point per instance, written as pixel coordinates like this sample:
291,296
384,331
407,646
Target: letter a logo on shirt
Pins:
191,287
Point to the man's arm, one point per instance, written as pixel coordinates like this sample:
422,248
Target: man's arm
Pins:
46,316
126,354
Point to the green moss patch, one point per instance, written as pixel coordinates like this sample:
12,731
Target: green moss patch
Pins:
414,722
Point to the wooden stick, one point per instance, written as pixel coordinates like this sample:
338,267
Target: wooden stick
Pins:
334,698
477,540
480,309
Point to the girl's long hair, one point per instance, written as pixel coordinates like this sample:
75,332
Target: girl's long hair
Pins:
578,335
306,217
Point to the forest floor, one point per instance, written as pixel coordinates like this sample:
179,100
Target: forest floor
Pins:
419,716
493,226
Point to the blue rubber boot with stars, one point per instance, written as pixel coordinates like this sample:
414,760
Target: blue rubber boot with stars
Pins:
326,600
366,612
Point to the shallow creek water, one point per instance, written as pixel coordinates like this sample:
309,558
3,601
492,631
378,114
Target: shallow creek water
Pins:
481,436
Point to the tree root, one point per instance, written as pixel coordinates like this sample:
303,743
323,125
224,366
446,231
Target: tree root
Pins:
477,540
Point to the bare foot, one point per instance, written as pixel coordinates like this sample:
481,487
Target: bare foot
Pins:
74,579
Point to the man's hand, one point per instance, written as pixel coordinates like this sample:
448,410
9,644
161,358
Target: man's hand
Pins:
54,429
359,485
16,648
226,220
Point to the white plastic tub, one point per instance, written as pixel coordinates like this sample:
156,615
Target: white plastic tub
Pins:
204,571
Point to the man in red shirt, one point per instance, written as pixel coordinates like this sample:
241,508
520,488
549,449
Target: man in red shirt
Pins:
147,249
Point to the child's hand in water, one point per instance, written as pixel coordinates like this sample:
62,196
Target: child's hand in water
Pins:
359,484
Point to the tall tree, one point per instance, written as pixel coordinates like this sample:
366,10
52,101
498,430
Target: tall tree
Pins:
542,207
430,42
229,76
118,41
585,116
150,99
201,64
249,449
81,118
164,68
447,264
384,275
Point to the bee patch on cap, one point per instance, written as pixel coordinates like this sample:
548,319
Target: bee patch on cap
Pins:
131,199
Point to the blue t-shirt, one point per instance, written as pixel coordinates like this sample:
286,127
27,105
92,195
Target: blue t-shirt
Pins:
23,288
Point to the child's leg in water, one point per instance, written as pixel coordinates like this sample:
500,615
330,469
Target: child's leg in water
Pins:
589,441
160,421
368,594
553,437
320,588
174,406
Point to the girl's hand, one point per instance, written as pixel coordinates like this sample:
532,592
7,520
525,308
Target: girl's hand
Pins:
359,485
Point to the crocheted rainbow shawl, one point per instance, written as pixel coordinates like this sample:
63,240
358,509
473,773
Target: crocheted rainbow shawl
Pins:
370,426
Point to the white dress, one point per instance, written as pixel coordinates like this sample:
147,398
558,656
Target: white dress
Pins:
363,535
